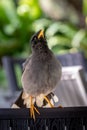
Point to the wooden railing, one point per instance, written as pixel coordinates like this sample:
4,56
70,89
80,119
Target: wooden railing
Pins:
70,118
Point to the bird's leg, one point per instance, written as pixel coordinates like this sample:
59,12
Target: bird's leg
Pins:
48,101
32,108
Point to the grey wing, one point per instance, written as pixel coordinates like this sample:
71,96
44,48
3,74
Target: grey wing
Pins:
26,62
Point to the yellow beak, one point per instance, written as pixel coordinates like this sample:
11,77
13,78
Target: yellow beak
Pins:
41,34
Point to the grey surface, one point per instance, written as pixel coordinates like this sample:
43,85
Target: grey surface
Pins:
71,91
7,98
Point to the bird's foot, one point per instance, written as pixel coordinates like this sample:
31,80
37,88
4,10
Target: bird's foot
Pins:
49,102
33,109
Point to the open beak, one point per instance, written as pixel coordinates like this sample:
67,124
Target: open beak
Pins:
41,34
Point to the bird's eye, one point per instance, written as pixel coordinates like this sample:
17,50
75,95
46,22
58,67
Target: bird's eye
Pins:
35,38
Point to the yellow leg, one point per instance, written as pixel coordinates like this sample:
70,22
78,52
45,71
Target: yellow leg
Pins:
48,101
33,109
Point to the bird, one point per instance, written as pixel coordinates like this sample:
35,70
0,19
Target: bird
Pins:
41,75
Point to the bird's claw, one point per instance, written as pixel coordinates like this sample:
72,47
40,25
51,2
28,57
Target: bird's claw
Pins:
33,109
51,105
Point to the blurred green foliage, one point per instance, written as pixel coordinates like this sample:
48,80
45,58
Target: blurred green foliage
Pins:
85,7
63,37
3,81
17,24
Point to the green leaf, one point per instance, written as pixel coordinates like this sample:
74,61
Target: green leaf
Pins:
59,27
77,39
40,24
9,11
58,40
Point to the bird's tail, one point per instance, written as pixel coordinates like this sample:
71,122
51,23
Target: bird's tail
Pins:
19,103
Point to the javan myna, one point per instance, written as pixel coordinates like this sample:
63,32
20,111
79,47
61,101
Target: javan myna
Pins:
41,75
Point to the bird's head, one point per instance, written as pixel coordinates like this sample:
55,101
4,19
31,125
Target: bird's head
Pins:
38,40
